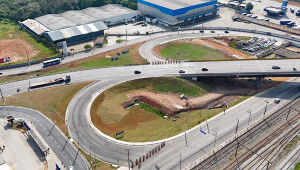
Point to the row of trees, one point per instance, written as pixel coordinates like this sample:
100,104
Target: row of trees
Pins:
19,10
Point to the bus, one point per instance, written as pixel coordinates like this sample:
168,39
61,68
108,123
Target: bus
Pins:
51,62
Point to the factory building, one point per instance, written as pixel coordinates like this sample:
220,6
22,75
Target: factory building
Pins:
78,26
174,12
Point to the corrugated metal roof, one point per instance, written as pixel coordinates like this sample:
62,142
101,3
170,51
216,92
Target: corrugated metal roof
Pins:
35,26
75,31
85,16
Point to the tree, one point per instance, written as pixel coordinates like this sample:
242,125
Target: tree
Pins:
249,6
238,7
87,46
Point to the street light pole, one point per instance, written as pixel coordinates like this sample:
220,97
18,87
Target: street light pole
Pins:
207,122
266,108
128,159
249,111
186,144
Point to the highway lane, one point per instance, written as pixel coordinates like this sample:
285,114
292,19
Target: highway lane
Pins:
58,142
144,50
115,152
242,66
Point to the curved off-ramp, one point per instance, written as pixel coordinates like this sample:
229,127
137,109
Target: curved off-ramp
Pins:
57,141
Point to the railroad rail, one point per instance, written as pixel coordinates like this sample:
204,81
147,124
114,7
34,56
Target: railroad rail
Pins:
285,113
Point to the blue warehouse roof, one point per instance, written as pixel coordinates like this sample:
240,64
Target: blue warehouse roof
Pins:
177,7
62,34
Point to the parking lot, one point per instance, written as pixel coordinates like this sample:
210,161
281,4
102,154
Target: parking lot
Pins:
257,46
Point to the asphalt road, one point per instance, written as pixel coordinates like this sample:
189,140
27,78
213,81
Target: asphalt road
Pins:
116,152
58,142
145,50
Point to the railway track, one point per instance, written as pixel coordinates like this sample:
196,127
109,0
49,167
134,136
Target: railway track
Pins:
263,159
288,112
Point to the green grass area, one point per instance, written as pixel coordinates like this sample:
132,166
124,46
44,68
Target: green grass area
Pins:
124,59
176,85
297,166
57,100
188,51
120,41
145,123
10,30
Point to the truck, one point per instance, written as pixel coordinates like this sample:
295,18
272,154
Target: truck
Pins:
284,22
51,82
292,10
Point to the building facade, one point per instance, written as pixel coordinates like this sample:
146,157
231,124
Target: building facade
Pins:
176,12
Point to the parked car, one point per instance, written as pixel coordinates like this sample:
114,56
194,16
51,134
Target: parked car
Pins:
181,71
275,67
204,69
137,72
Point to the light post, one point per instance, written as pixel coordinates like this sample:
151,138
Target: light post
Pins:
266,108
249,111
207,122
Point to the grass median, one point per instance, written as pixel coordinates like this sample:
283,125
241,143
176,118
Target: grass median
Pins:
53,103
143,123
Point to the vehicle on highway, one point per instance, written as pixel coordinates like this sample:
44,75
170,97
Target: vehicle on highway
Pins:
52,62
181,71
201,31
277,101
212,31
137,72
227,32
275,67
294,69
204,69
1,73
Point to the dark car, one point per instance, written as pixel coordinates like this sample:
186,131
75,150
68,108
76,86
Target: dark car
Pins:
201,31
137,72
212,31
204,69
181,71
1,73
275,67
226,32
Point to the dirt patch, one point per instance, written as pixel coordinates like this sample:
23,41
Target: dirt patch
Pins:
219,44
136,55
171,104
16,49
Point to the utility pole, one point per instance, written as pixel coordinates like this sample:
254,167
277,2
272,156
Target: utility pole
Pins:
3,100
207,122
266,108
186,144
180,161
28,68
249,111
128,159
237,127
288,113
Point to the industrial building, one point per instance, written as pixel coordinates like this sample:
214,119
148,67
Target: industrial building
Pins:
175,12
79,25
